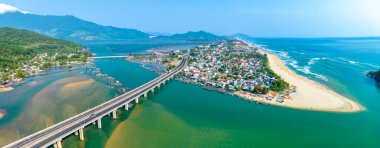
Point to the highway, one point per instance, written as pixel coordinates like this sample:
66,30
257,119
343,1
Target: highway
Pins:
67,127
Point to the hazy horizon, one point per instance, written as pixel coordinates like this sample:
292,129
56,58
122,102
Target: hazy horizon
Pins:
270,19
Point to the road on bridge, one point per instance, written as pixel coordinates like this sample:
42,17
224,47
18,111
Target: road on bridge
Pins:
65,128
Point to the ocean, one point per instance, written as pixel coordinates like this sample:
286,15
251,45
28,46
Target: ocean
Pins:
186,115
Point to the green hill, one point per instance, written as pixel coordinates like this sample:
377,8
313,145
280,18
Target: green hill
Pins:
193,36
67,27
18,47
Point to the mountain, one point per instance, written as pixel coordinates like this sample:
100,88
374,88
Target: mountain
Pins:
4,8
159,33
20,46
193,36
66,27
75,29
238,36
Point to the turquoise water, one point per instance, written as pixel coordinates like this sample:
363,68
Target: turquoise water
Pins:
186,115
340,63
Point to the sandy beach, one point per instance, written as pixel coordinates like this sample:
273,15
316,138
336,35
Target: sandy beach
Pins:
5,89
2,113
310,95
79,83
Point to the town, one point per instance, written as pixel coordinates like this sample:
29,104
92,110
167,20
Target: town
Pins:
234,66
230,66
40,64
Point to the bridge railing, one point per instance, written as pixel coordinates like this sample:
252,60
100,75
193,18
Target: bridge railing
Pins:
85,113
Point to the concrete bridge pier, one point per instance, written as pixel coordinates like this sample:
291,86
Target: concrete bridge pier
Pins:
152,90
137,100
126,106
81,134
99,123
59,144
145,95
114,114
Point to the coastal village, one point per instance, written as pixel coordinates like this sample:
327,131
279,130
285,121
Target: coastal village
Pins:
229,66
237,68
40,64
158,62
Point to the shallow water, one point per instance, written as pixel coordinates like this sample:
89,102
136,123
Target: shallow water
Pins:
42,101
186,115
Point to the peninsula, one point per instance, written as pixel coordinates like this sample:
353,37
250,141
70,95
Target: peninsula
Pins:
249,72
25,53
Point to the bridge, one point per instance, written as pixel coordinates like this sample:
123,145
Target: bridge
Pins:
53,135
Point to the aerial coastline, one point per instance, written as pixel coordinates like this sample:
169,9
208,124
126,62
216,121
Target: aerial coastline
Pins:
34,54
305,97
2,113
6,88
258,76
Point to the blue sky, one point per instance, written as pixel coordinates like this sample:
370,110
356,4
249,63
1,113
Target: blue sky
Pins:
270,18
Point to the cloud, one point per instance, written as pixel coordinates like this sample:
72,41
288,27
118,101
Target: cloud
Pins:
4,8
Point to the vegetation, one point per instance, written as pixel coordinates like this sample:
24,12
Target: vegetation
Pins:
21,49
17,47
235,63
170,67
67,27
279,84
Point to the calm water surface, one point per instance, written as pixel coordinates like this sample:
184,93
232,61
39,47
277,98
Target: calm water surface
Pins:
185,115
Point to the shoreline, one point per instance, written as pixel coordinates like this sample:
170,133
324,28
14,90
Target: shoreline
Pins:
310,95
307,95
3,113
6,89
42,72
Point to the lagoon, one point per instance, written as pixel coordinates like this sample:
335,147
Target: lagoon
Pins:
186,115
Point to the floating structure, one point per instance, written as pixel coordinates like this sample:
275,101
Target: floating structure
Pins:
76,125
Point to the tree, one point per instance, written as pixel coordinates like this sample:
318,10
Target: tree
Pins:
21,74
5,77
238,88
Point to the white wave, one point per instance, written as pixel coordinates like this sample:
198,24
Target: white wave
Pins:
352,62
298,52
306,70
372,65
284,56
313,61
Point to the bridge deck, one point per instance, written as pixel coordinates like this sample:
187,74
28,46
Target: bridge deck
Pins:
61,130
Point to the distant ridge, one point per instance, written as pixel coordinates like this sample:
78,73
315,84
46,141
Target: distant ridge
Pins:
74,29
67,27
193,36
238,36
